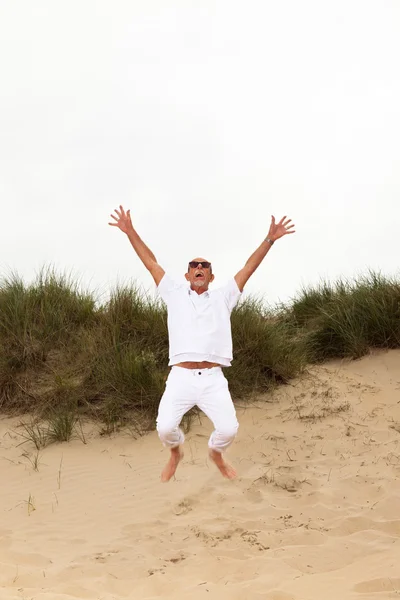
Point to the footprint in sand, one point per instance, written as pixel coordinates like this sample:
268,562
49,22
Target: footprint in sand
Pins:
103,556
254,495
183,507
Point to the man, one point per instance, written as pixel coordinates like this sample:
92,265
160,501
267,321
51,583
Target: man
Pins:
200,344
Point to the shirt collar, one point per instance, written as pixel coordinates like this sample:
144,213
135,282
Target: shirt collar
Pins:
206,294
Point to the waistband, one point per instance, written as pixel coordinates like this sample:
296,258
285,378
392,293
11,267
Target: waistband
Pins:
196,372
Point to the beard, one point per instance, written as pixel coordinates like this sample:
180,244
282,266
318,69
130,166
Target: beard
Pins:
199,282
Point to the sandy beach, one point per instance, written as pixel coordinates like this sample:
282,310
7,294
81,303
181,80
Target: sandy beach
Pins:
314,512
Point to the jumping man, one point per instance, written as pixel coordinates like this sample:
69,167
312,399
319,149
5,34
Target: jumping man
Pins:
200,344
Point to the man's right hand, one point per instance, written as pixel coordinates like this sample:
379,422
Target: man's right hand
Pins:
123,220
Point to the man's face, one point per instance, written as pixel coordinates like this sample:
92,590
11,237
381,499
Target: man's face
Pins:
199,274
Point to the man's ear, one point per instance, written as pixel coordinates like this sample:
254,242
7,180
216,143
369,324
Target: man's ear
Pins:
212,277
187,276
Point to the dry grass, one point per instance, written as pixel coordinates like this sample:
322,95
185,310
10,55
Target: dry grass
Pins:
64,355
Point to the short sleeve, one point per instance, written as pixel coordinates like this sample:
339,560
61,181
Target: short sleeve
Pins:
166,287
231,294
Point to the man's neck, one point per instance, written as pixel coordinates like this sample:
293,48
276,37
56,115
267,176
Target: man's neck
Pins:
199,290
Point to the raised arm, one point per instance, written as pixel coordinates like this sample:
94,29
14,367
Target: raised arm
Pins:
276,231
123,222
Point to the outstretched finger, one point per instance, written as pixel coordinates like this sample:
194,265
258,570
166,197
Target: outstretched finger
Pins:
113,224
114,217
287,222
281,221
121,208
290,226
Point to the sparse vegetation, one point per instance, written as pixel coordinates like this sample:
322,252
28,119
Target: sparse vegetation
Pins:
33,431
64,355
30,504
34,459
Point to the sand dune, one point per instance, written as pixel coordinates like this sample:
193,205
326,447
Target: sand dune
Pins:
314,513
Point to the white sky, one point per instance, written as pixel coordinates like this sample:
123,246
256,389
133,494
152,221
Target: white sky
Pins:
204,117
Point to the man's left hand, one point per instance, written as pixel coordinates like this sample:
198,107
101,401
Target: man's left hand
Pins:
278,230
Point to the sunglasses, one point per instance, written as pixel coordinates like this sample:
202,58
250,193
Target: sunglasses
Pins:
194,264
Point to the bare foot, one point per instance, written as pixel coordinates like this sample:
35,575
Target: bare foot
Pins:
226,470
171,466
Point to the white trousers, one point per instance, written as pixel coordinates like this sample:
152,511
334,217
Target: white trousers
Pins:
205,388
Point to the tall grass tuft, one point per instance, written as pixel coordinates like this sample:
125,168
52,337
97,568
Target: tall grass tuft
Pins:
37,320
62,424
34,431
267,349
348,318
128,357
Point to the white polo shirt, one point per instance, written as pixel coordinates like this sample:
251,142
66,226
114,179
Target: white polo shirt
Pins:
199,325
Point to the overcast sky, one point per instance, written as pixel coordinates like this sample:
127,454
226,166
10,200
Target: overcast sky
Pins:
204,118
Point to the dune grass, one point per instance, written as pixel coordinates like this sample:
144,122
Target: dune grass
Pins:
347,318
64,356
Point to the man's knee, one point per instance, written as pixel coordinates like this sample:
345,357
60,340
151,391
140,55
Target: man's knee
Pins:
229,427
165,428
169,433
229,432
223,437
